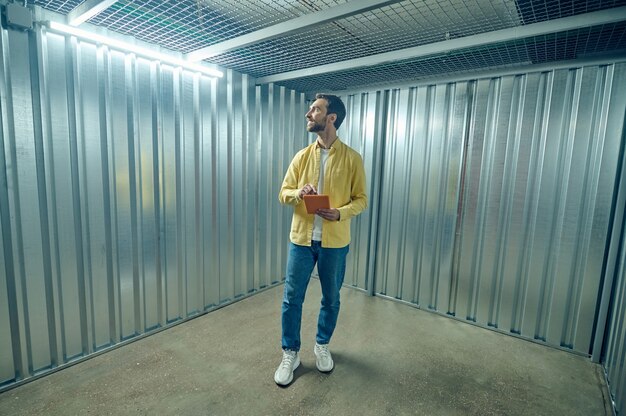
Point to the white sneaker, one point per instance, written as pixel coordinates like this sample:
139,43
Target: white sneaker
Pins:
284,373
323,359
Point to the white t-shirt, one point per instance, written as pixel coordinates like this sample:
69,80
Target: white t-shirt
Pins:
318,221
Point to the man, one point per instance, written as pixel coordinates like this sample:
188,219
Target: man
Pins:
327,166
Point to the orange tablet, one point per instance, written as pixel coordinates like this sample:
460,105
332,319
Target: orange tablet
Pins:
315,202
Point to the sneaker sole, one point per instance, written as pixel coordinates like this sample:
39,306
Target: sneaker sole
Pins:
295,366
324,370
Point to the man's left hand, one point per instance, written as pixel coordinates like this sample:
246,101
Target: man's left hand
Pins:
331,214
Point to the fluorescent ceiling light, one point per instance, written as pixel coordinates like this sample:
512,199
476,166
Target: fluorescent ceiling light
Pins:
145,52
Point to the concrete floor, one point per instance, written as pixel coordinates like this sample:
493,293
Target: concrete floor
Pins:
390,358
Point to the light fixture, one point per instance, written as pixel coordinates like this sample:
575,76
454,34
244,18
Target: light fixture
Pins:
145,52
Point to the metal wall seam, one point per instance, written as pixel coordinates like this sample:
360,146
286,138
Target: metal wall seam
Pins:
30,292
73,98
465,118
536,154
617,218
611,325
511,156
10,327
375,155
615,343
363,130
44,190
573,325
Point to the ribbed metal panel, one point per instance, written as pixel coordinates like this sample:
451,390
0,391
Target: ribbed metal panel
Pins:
420,187
362,130
614,351
496,197
615,358
133,195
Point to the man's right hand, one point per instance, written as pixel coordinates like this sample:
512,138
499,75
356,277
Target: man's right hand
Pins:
307,189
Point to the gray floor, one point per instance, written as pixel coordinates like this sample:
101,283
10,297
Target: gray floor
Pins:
390,359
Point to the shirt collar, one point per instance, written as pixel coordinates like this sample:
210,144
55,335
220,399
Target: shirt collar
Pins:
332,146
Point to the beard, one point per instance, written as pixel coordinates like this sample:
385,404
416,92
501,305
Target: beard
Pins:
316,127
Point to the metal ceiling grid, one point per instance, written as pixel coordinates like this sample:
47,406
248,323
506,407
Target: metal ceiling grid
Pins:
178,25
190,25
402,25
539,49
63,7
534,11
501,56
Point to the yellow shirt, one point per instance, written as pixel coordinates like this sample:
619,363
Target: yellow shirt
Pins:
344,183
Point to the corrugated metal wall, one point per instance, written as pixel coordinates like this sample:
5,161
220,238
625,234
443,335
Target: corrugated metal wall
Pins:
363,131
615,359
132,195
614,351
495,198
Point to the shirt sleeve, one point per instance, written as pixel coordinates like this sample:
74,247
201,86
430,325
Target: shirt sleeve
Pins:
358,194
289,190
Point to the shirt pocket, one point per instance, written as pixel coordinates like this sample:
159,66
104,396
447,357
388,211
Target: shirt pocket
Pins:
338,175
338,186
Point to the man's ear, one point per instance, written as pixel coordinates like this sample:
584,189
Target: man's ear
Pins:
332,117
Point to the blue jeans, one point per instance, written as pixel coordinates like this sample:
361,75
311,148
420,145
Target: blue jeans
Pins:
331,267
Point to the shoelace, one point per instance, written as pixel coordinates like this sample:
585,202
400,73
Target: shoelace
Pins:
323,350
288,360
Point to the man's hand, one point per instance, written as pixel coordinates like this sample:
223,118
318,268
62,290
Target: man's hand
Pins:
307,189
331,214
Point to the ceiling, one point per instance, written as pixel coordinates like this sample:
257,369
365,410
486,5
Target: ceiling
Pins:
332,45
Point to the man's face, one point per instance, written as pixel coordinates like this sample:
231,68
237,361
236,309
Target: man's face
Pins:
317,119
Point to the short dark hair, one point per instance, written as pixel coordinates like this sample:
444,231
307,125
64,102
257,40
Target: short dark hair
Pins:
335,106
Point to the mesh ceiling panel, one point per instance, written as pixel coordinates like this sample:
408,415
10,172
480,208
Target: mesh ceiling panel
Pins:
188,25
394,27
63,7
534,11
539,49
